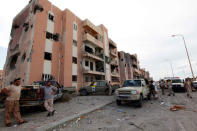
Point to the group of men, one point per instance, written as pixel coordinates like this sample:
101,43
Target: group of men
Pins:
168,84
13,93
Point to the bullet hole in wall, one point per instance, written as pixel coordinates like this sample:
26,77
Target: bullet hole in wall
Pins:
26,26
15,26
38,8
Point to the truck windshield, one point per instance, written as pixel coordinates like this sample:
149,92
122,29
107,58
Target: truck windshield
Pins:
177,81
132,83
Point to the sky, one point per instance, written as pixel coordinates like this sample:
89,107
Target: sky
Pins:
143,27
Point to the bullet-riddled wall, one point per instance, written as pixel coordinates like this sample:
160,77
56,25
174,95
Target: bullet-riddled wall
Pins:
48,43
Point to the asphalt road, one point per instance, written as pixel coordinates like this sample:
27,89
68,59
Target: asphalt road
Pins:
155,115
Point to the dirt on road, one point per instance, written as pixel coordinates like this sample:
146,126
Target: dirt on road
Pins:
155,115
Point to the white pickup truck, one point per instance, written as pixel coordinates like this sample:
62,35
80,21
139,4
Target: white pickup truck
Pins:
134,90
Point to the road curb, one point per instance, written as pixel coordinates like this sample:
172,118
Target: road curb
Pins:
63,121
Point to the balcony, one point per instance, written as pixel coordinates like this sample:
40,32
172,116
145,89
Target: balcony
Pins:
112,44
113,53
86,71
115,74
93,56
92,27
134,63
92,40
114,62
136,71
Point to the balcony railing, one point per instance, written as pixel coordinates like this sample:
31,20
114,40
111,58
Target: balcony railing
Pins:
115,74
88,24
93,56
114,62
91,39
113,53
86,71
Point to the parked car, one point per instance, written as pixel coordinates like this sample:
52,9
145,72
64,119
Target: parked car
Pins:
30,96
194,84
134,90
98,86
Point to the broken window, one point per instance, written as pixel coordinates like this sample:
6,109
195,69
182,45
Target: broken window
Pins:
23,57
51,17
26,26
99,66
107,59
75,26
13,61
74,78
74,60
38,7
49,35
86,63
75,42
88,49
47,56
91,66
55,37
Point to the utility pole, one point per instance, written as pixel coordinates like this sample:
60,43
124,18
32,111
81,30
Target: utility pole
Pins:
186,53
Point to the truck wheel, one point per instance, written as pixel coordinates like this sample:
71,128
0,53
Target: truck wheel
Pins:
83,92
139,104
118,102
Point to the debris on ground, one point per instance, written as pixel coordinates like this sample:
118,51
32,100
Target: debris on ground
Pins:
177,107
132,123
65,98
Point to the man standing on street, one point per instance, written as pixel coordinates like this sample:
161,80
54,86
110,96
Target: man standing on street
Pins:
162,86
152,89
13,93
49,92
169,84
188,87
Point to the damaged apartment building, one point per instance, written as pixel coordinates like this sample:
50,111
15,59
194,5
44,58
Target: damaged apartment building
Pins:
129,67
49,43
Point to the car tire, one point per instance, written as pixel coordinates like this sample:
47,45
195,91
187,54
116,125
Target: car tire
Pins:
83,92
139,104
118,102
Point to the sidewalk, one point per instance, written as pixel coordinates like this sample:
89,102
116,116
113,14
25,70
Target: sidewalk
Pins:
37,121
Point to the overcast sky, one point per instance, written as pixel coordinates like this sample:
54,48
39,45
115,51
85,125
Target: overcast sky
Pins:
137,26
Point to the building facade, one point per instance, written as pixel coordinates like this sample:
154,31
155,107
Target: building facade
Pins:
48,43
129,67
1,78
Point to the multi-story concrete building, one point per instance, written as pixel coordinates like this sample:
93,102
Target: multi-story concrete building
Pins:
1,78
47,42
129,66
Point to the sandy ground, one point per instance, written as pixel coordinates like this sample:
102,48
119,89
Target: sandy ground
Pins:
37,118
153,116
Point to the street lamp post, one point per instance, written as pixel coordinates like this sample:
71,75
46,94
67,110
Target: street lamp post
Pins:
186,53
172,68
